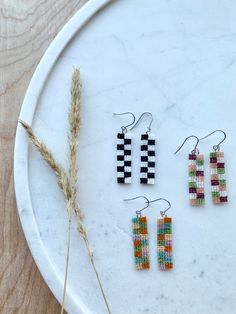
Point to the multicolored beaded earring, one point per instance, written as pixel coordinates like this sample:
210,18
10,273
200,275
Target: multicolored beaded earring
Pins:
141,242
196,174
217,164
164,238
140,237
147,153
124,158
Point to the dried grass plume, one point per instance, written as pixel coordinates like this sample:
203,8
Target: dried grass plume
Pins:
68,181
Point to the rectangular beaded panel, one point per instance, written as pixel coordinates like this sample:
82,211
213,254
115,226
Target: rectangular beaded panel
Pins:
218,181
140,240
123,158
164,243
196,179
147,167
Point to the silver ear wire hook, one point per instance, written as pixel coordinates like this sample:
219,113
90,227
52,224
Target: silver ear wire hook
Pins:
124,127
217,146
149,127
139,212
162,212
195,150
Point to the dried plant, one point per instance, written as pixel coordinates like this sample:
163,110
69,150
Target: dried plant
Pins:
62,178
68,182
74,123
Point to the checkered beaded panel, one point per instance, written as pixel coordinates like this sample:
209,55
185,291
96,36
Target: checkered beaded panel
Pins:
164,243
147,167
140,240
196,179
123,158
218,180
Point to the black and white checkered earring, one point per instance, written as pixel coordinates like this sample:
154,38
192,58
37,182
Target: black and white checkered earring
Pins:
147,154
124,157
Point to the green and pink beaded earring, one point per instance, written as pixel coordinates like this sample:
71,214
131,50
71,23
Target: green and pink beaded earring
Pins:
217,165
195,173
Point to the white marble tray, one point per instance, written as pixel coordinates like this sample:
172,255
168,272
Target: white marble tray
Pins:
177,60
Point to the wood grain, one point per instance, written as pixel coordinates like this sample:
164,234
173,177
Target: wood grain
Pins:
26,30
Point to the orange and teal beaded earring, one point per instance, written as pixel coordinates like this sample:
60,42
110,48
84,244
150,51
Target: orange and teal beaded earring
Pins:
217,164
140,237
141,241
196,174
164,238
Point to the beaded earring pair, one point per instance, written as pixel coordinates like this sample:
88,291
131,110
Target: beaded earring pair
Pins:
124,153
196,173
141,239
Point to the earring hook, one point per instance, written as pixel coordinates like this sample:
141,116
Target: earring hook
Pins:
124,127
149,127
162,212
195,150
217,146
139,212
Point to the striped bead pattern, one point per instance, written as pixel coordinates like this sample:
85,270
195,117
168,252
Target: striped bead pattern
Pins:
218,181
196,179
147,167
141,245
123,158
164,243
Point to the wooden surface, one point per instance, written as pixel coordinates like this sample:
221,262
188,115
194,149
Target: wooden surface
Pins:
26,30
